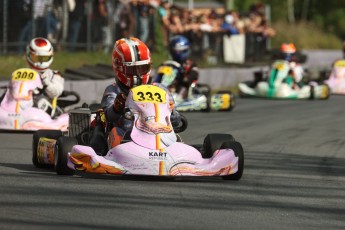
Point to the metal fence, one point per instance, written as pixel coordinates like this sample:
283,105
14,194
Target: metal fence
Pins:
22,20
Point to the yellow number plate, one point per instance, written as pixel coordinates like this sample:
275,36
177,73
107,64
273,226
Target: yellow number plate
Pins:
24,75
149,93
165,70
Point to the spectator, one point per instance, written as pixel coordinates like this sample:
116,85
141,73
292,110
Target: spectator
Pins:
40,18
135,12
152,23
228,25
164,12
26,31
101,32
144,13
175,24
51,20
76,17
124,20
238,22
33,26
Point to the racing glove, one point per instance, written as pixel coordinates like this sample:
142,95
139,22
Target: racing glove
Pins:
119,103
53,83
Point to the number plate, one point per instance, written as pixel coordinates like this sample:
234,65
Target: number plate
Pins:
149,93
24,75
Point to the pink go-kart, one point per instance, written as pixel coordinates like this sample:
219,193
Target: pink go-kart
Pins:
336,79
152,148
17,111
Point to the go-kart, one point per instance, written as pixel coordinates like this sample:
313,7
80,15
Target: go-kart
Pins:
151,148
199,96
336,79
276,87
17,110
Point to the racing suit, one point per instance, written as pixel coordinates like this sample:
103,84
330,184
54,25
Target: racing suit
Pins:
295,75
53,83
184,75
120,123
53,87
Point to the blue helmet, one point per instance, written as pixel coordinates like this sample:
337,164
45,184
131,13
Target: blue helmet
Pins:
179,48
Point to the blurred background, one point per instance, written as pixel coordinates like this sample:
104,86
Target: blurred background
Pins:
222,32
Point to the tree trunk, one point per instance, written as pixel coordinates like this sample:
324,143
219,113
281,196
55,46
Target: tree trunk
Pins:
291,11
305,10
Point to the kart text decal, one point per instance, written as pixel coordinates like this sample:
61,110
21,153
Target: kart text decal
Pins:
158,155
24,75
149,93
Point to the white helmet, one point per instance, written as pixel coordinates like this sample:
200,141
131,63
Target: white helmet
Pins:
39,53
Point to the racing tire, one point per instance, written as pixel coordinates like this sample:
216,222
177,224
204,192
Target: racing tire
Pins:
51,134
182,126
312,92
213,142
232,99
208,104
238,150
63,146
205,90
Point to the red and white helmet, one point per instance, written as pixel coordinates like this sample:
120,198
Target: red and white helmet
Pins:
39,53
131,62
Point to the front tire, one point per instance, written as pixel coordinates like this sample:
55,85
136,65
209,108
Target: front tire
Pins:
213,142
51,134
62,148
182,126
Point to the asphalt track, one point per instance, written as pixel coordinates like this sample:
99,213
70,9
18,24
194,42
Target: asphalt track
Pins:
294,178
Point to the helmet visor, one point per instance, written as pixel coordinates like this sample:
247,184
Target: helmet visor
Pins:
36,58
137,69
288,56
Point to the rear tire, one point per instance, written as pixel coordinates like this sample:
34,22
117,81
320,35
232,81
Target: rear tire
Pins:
62,147
182,126
205,90
214,141
51,134
312,92
237,148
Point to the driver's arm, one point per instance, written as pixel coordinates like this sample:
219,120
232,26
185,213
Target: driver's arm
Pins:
53,83
107,103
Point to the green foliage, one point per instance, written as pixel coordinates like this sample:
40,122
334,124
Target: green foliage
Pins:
305,36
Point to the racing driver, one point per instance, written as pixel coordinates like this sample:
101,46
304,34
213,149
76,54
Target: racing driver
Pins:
131,60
